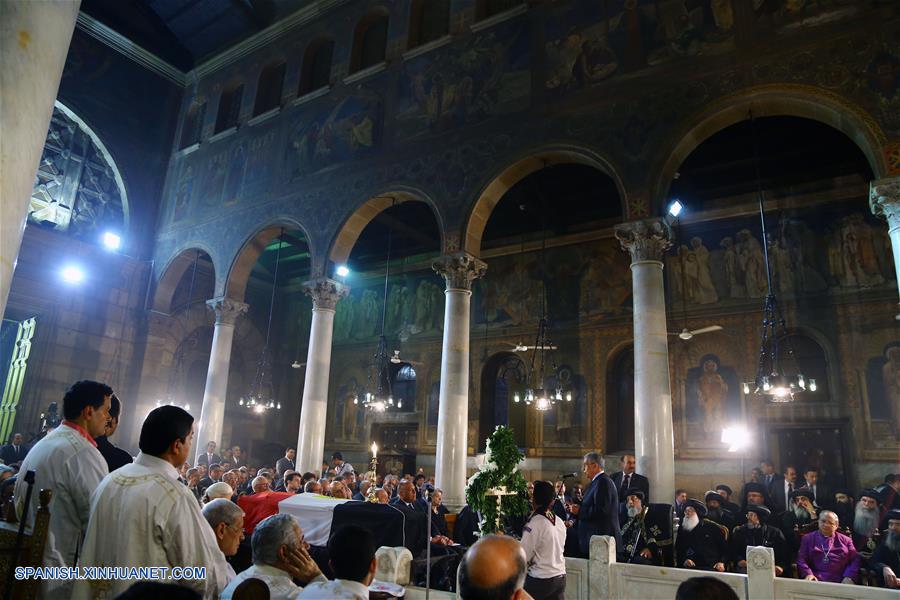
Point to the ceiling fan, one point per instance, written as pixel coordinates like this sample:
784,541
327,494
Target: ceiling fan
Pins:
687,334
523,348
297,364
395,359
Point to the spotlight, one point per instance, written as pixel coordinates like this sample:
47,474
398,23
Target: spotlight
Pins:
112,241
675,207
72,274
737,437
342,271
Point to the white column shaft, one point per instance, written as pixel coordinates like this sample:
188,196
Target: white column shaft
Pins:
453,412
34,42
212,413
314,410
653,431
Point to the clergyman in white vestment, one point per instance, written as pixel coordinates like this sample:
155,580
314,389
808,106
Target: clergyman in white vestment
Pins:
143,516
67,463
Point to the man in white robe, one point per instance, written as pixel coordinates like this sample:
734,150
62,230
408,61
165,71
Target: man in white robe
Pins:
67,463
143,516
351,555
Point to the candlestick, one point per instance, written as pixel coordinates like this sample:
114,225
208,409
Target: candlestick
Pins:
374,450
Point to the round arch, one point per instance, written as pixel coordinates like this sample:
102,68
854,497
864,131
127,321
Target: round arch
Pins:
245,259
354,225
775,100
526,164
179,262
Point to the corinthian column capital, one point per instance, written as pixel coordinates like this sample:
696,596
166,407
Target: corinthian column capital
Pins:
227,310
325,293
645,240
459,270
884,199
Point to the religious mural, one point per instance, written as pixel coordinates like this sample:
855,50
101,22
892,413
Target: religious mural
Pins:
592,41
348,130
712,396
349,416
845,249
883,383
564,424
486,75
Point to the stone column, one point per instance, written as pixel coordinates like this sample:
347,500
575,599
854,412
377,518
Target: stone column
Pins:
646,241
325,294
459,270
34,42
884,200
212,413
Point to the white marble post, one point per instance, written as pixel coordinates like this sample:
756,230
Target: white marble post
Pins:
34,42
325,294
212,413
458,270
646,241
760,572
884,200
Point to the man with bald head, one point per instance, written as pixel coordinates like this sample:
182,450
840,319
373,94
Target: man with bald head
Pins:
494,567
262,503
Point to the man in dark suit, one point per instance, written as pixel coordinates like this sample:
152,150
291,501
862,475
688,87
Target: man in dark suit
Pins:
210,457
781,488
115,457
214,476
598,513
811,482
14,452
286,463
626,479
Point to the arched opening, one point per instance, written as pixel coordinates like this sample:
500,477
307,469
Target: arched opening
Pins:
803,354
189,278
403,377
369,41
229,107
78,188
428,21
772,101
598,202
268,88
502,377
316,70
620,401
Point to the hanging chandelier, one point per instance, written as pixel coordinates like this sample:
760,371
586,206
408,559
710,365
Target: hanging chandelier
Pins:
537,391
260,398
771,381
378,396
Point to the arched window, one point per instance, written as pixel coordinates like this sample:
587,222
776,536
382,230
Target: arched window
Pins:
268,89
229,107
503,376
369,41
428,21
620,402
78,188
404,387
489,8
316,70
193,124
801,353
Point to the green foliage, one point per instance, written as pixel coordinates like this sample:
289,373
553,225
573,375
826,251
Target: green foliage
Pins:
500,469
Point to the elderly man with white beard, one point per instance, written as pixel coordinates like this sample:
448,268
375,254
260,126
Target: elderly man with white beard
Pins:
701,544
865,523
800,520
885,560
639,541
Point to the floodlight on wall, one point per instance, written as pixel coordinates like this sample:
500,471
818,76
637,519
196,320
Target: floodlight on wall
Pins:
72,274
737,437
342,271
675,207
112,241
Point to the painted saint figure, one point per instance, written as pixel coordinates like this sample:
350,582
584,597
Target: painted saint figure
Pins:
711,392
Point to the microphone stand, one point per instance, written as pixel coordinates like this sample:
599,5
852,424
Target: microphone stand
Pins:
427,495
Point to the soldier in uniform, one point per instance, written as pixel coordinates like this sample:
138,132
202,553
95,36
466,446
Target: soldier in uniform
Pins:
700,543
638,536
864,525
757,533
717,514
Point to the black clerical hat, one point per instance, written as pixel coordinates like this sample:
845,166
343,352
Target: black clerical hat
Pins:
803,492
870,493
755,487
711,495
635,492
893,515
761,511
697,506
722,486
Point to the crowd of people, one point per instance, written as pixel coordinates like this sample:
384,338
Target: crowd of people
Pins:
221,513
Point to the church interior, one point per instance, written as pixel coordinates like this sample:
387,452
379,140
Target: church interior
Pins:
322,224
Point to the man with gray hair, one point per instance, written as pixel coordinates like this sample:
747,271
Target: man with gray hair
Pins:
227,521
598,513
494,567
280,555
